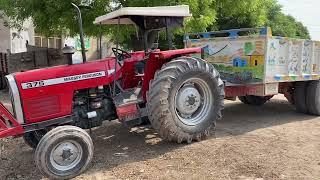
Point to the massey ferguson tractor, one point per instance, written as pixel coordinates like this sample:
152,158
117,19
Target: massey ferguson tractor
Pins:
178,92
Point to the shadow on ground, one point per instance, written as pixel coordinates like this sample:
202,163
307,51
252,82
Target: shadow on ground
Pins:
117,145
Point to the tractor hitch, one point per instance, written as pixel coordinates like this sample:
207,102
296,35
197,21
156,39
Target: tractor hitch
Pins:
8,124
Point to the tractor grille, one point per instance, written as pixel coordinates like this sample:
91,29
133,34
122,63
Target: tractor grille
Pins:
43,106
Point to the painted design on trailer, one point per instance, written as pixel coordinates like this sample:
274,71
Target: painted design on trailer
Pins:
294,60
238,61
258,58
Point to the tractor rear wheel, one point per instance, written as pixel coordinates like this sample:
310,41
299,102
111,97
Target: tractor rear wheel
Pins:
185,99
33,138
64,152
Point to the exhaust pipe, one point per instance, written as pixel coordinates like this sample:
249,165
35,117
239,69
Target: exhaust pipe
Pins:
83,51
68,51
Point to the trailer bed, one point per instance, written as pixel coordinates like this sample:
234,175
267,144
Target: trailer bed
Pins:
253,57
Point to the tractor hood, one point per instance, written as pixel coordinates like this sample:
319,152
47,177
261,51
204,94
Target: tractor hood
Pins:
38,93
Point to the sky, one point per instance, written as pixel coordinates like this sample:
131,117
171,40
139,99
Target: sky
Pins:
306,11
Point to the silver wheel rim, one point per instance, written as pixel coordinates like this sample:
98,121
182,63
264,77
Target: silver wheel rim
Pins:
193,101
66,155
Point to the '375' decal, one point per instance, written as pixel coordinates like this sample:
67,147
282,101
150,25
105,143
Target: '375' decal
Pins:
67,79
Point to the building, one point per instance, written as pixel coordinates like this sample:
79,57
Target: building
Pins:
240,62
14,41
256,60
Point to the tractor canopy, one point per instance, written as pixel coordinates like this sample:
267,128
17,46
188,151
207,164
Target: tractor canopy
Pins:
147,18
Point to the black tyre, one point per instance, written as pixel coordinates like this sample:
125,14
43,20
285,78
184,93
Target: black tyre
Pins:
254,100
243,99
32,139
257,100
185,99
299,96
313,97
3,83
64,152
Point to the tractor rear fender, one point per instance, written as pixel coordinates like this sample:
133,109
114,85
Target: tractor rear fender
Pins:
171,54
157,59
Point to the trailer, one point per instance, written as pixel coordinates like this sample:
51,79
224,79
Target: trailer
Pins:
255,65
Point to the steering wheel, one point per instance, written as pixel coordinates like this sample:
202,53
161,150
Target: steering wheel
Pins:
121,54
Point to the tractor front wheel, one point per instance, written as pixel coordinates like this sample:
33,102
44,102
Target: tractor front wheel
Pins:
64,152
185,99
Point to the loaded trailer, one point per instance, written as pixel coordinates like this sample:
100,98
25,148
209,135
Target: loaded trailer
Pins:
255,65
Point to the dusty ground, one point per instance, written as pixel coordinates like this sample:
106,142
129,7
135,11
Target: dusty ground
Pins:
269,142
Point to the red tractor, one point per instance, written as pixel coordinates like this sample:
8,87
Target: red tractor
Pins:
178,92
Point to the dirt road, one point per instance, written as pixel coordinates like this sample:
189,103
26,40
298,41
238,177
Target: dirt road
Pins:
269,142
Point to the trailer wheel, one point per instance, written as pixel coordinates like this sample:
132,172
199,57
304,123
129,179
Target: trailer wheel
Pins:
243,99
64,152
254,100
313,97
299,96
32,139
185,99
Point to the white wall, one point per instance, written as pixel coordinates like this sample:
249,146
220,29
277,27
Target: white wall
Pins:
14,40
19,38
92,52
4,37
76,57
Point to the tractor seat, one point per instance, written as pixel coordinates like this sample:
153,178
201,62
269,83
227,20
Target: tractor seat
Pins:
139,67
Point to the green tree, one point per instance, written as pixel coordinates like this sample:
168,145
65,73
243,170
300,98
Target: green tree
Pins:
241,13
57,17
285,25
54,17
258,13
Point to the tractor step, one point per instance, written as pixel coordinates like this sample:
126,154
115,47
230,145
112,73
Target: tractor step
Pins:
8,124
128,97
127,106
